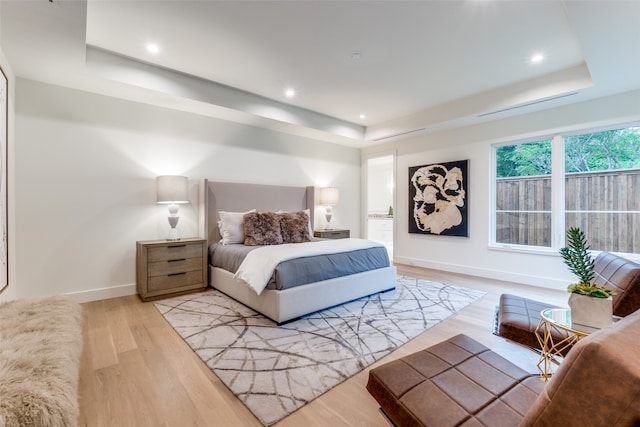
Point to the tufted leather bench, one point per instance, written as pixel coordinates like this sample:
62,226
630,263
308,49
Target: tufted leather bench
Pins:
518,316
448,383
460,382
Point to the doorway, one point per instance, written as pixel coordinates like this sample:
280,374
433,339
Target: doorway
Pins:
380,200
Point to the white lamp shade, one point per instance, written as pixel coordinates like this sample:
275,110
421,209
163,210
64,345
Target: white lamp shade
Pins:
329,196
172,189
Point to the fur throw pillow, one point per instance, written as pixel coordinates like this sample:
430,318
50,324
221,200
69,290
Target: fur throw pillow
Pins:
294,227
262,228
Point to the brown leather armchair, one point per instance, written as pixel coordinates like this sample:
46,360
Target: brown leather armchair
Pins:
518,316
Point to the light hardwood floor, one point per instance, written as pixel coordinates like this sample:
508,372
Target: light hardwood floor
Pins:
136,370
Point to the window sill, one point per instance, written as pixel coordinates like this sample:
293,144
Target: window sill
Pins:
537,250
534,250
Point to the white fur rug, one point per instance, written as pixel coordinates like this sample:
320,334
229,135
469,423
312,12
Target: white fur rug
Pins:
40,347
275,370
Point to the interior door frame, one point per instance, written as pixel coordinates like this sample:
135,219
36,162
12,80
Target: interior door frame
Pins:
364,208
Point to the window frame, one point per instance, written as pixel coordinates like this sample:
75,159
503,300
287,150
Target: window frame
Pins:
558,211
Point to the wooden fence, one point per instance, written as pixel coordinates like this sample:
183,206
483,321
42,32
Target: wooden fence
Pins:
605,205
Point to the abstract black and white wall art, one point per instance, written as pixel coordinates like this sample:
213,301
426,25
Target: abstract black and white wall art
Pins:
439,199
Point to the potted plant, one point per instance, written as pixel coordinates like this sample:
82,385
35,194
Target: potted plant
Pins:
591,305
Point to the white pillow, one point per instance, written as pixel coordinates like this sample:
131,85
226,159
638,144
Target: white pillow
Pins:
308,212
231,226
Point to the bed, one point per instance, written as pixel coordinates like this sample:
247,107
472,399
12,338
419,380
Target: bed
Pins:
280,305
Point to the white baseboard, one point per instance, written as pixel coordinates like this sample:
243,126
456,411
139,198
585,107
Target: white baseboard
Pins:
525,279
540,281
103,293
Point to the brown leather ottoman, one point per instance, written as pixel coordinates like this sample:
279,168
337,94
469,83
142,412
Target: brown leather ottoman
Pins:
458,382
518,318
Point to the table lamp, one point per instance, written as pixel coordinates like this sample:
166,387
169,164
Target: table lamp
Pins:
329,198
172,190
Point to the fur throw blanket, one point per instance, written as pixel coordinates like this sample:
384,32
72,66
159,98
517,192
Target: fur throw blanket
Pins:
40,347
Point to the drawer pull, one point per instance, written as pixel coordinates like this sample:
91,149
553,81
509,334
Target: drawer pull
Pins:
176,274
176,246
175,260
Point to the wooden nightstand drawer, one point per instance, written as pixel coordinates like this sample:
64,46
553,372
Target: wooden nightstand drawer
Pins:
332,234
169,282
164,268
174,251
170,267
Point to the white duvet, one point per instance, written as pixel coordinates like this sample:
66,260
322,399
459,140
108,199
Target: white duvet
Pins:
257,268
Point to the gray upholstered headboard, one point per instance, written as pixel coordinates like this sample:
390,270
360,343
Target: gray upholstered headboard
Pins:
238,197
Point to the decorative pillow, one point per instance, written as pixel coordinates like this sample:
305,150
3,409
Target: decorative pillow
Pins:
231,226
262,228
294,227
308,212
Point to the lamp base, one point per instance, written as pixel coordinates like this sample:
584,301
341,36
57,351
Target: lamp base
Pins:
173,222
173,235
328,217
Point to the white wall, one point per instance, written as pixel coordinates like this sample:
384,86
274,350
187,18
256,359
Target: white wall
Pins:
85,182
84,189
10,292
472,255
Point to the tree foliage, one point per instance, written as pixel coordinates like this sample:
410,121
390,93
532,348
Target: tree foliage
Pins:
612,149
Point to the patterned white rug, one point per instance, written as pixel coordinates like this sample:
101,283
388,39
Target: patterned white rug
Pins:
275,370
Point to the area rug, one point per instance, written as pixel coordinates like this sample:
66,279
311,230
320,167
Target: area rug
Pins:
275,370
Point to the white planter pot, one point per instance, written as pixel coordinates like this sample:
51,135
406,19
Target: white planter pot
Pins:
591,311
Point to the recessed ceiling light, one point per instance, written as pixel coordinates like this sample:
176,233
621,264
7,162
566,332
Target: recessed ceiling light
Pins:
290,93
153,48
538,57
362,116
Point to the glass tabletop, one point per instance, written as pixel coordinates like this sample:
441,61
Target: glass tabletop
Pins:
562,318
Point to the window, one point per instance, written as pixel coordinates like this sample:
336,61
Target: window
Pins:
602,187
523,194
600,184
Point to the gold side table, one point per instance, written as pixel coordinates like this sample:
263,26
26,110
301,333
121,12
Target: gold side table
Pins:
555,322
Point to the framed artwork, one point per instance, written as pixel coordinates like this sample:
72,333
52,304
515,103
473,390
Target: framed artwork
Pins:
4,141
439,199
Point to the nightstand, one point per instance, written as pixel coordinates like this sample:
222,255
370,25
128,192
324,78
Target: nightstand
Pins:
332,234
166,267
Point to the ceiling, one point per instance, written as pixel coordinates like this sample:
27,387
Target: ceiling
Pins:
408,66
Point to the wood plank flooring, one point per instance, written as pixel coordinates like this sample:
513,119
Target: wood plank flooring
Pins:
136,371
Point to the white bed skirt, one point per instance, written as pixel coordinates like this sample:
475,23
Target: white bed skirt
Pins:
281,306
